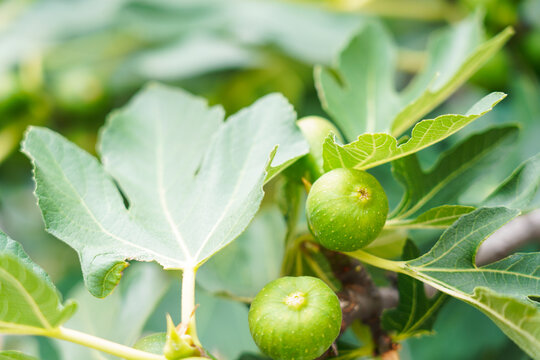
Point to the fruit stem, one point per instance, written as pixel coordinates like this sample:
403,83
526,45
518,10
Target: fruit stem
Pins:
390,265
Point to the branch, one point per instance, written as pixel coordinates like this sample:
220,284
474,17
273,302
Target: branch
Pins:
361,299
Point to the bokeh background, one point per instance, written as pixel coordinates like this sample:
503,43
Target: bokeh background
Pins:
65,64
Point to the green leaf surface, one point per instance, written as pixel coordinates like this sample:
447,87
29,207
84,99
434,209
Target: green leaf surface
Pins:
15,355
519,188
245,266
455,169
519,321
450,267
29,301
415,313
362,99
192,182
454,56
436,218
375,149
121,316
451,260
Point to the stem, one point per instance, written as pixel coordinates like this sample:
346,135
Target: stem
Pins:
390,265
106,346
188,294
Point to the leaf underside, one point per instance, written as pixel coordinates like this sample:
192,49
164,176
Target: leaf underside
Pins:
192,182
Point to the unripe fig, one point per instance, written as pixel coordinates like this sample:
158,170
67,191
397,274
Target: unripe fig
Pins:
346,209
315,129
295,318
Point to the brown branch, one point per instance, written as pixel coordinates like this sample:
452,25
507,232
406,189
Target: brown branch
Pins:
361,299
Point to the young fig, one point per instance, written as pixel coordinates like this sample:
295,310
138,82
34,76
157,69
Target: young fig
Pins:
315,130
346,209
295,318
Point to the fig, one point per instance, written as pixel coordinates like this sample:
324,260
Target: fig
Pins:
346,209
295,318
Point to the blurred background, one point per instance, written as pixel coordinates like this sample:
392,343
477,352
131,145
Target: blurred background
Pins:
65,64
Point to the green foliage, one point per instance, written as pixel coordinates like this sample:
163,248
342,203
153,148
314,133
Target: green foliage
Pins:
520,187
415,313
508,283
120,317
363,98
176,182
216,177
371,150
15,355
30,302
461,165
438,217
230,272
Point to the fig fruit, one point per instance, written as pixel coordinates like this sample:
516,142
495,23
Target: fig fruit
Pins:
346,209
295,318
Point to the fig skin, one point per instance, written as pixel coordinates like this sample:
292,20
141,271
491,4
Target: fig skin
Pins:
346,209
295,318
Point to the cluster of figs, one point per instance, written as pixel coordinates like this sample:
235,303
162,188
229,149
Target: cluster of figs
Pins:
300,317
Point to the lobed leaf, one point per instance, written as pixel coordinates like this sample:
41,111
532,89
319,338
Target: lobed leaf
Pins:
455,169
192,182
364,98
360,92
29,301
450,267
454,56
375,149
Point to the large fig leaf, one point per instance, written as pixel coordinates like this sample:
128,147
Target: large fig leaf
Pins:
360,92
29,302
454,56
503,290
192,182
363,99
